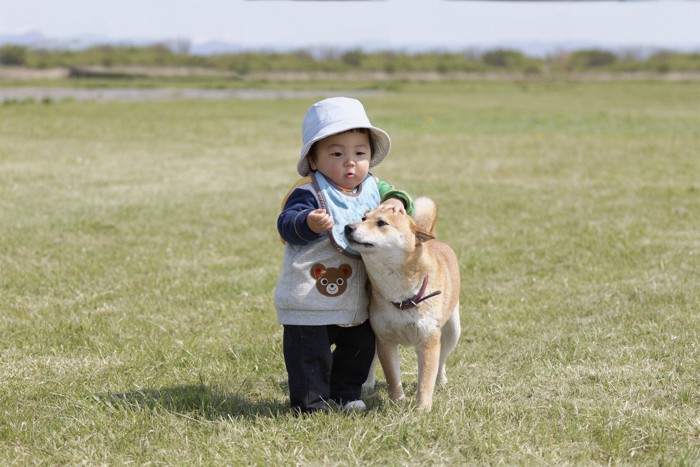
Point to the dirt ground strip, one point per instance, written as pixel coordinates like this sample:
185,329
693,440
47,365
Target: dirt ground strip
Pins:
21,94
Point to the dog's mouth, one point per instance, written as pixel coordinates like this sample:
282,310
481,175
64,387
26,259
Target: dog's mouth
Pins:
355,243
350,231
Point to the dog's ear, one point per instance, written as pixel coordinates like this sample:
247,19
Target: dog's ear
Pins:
422,236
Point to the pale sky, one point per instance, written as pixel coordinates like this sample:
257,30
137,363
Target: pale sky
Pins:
385,24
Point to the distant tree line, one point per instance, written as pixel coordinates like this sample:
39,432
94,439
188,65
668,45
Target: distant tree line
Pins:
352,60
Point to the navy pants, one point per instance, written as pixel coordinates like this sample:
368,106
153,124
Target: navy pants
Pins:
317,375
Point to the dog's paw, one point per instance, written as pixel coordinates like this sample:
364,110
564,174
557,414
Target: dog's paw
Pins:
424,407
400,402
397,397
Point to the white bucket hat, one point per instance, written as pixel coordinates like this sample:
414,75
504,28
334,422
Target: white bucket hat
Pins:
336,115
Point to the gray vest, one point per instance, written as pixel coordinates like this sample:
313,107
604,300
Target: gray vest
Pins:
325,282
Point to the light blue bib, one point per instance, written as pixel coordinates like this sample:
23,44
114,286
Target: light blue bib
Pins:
346,207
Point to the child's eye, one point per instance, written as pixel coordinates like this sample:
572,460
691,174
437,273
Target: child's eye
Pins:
337,154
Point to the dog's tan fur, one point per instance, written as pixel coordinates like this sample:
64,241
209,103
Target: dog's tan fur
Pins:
399,252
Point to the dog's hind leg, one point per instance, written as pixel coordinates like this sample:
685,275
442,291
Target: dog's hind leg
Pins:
391,364
450,336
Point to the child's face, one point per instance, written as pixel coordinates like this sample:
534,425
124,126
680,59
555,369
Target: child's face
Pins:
343,158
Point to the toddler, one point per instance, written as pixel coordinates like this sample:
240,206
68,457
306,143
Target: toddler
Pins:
322,294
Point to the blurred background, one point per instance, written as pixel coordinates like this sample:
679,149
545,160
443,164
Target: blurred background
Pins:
241,37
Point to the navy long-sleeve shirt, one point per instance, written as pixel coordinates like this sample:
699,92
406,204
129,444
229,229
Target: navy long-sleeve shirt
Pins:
292,225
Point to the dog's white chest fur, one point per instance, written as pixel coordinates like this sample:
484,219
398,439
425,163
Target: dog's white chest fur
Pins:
405,327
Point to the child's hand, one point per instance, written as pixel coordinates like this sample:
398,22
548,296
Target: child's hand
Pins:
319,221
394,205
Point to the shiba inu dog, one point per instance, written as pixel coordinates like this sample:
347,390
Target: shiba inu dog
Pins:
415,294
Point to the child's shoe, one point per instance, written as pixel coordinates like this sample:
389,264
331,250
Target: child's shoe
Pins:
355,406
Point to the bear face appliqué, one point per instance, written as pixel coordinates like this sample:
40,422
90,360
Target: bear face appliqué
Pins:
331,282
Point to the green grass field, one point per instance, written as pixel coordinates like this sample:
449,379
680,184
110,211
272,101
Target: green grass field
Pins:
138,256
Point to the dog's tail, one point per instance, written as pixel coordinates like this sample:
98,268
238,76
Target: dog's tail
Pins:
425,214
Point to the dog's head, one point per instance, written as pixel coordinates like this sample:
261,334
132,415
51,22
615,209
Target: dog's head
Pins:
383,230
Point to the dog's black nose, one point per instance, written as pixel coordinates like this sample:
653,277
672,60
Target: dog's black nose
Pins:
349,229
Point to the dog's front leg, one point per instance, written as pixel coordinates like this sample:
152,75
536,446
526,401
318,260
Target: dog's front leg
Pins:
428,363
389,358
372,375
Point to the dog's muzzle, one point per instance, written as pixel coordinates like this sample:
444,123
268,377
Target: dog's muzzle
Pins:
349,234
349,229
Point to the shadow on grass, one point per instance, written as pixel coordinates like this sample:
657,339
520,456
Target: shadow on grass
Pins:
195,401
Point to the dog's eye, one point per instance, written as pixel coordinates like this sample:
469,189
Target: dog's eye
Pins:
364,218
381,223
